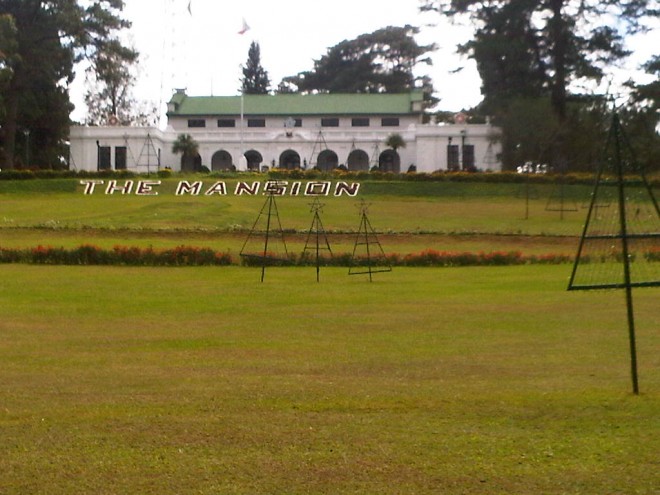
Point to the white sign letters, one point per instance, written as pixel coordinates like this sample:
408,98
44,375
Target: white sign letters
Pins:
220,188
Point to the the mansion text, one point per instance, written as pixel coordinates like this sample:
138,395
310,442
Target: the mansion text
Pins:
241,188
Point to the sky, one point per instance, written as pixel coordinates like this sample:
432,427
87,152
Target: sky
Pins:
203,52
201,49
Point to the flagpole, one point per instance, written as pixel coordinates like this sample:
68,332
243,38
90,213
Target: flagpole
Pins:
240,159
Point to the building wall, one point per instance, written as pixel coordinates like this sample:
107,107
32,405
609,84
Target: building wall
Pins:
147,148
432,142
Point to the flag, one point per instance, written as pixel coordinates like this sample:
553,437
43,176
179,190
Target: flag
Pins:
245,27
190,7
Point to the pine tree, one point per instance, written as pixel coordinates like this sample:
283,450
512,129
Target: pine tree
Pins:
255,79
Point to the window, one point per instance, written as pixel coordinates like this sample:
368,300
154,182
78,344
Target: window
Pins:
360,122
120,158
256,122
452,157
196,123
389,122
226,123
104,158
330,122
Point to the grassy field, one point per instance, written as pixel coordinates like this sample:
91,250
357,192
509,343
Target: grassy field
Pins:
415,216
203,380
489,380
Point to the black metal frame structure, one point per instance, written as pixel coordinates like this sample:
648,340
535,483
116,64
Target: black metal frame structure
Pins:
270,211
623,154
317,239
366,237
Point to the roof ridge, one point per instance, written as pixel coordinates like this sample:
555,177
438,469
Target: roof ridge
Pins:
301,104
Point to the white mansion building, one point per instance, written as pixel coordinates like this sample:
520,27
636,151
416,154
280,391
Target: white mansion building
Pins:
258,132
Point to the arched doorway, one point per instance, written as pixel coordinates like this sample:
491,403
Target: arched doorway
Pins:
289,160
389,161
358,161
191,163
254,159
221,160
327,160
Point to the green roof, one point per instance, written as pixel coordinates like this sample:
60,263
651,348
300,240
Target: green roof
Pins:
296,104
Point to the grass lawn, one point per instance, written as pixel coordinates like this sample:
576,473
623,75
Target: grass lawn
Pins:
410,217
490,380
204,381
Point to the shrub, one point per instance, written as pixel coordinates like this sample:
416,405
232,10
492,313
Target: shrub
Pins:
301,174
87,254
16,174
653,254
119,255
269,259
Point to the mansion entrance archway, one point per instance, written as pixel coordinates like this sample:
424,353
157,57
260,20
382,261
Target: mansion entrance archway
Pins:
289,160
327,160
389,161
254,159
358,161
221,160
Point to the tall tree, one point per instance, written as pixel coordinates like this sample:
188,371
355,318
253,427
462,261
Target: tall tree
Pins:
8,47
531,132
51,37
530,53
507,55
109,81
648,95
543,46
109,95
255,79
378,62
643,117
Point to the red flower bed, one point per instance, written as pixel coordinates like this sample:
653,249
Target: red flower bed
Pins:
87,254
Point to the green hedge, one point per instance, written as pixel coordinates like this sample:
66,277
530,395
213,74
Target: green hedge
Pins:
16,174
298,174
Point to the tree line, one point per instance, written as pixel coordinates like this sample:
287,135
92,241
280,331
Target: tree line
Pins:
534,55
530,54
41,43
